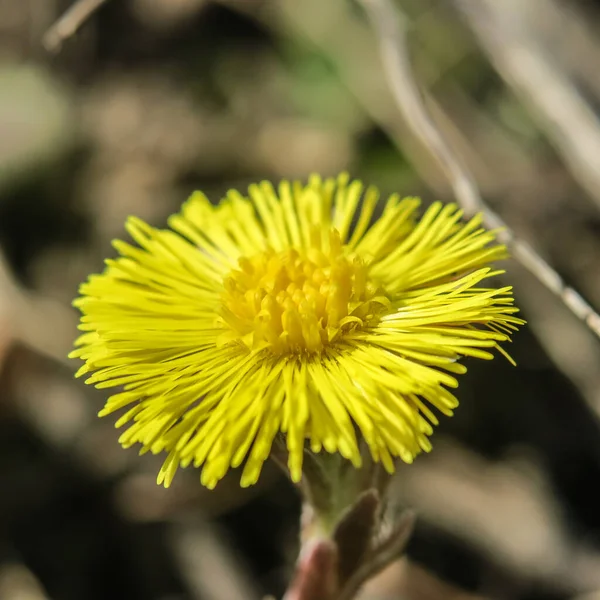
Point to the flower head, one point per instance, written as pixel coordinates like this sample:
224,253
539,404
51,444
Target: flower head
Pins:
293,312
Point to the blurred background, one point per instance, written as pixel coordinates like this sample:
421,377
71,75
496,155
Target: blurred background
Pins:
153,99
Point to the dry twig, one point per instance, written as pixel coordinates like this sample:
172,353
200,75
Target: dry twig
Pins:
69,23
571,34
391,33
515,50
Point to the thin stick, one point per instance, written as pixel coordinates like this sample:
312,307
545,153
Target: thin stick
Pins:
391,33
568,121
69,23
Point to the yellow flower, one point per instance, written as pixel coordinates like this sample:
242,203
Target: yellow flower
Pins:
294,313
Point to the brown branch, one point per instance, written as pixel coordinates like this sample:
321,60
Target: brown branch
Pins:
68,24
391,33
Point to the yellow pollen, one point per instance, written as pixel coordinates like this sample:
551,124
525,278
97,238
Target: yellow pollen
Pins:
299,303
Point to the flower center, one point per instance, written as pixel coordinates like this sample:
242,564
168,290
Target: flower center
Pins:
294,302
